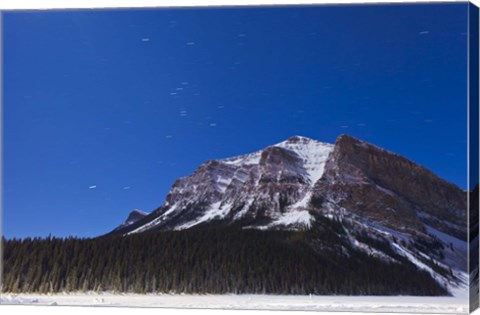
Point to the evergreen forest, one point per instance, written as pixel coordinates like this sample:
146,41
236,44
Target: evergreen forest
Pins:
212,261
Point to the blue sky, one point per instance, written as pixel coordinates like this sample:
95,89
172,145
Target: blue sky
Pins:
103,110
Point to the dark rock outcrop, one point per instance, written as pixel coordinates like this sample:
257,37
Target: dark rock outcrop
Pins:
390,189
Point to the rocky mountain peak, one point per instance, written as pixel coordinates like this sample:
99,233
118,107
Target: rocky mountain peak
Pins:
302,174
298,139
134,216
391,189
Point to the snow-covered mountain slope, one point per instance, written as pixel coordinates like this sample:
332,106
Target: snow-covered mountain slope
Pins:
254,189
443,256
313,153
133,217
388,206
302,175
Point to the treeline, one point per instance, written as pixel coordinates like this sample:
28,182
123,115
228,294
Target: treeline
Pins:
215,261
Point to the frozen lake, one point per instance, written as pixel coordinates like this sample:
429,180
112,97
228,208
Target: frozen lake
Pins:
407,304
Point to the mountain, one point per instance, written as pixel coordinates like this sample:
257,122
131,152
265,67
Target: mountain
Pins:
258,189
388,206
133,217
391,190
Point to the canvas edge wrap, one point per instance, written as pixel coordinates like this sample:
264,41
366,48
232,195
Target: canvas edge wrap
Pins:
473,155
473,147
1,151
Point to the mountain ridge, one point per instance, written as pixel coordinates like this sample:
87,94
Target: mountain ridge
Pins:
387,205
286,161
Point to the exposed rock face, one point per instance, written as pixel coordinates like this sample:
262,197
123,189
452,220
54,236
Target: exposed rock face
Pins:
253,190
282,185
134,216
390,189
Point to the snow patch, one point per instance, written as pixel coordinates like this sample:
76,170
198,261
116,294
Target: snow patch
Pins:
247,159
244,210
216,211
154,221
295,217
456,250
302,203
289,219
313,153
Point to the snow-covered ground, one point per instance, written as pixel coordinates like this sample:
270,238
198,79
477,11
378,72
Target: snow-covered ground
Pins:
399,304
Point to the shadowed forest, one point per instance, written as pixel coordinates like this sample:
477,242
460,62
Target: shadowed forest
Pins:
215,261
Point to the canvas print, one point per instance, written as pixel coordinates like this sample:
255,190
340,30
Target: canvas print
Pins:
320,157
